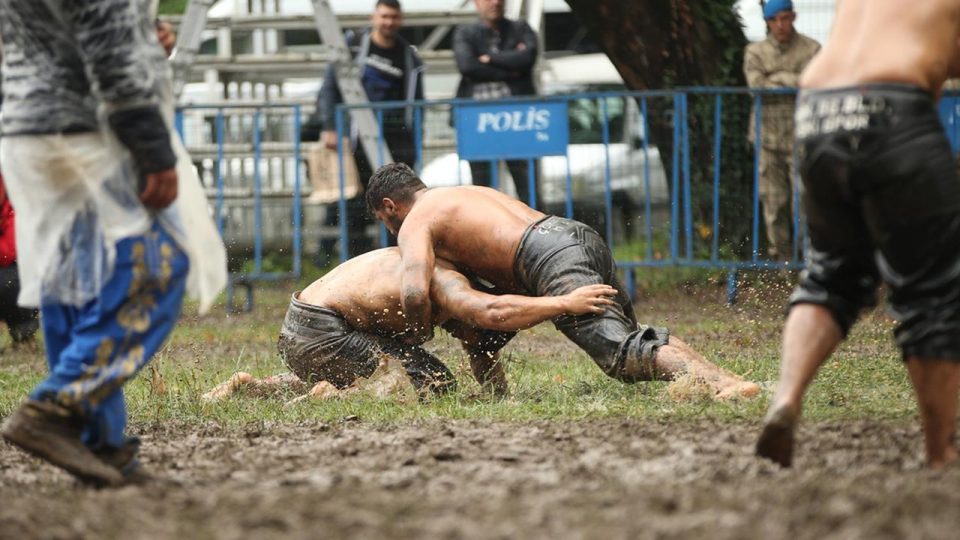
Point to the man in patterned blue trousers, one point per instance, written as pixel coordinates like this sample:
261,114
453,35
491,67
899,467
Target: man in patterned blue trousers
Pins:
113,219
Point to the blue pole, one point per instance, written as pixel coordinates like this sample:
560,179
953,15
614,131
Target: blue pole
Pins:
495,174
418,137
219,171
607,196
717,148
568,202
687,191
532,182
342,201
756,179
675,180
297,203
257,196
732,286
178,124
381,142
648,219
630,282
380,139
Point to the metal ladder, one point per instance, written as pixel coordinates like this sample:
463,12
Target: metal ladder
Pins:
348,72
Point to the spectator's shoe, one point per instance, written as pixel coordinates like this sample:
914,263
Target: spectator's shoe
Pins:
52,433
24,333
125,460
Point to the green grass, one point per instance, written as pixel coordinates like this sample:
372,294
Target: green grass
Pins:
172,7
549,377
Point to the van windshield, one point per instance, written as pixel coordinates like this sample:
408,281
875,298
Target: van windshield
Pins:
586,120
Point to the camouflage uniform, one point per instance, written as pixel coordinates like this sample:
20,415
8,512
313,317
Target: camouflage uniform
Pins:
771,64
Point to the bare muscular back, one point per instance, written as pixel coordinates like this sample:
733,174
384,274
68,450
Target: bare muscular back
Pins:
365,290
899,41
476,228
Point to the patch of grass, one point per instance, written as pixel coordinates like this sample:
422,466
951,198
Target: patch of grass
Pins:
172,7
549,377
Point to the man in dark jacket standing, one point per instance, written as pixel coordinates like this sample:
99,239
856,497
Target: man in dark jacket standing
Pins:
495,57
390,71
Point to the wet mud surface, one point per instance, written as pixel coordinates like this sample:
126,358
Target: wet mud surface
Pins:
459,479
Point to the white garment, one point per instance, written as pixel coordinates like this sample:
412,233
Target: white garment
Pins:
75,197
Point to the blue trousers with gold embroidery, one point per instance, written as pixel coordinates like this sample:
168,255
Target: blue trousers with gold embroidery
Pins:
93,350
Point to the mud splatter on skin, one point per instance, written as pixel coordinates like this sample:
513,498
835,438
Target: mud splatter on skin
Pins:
456,479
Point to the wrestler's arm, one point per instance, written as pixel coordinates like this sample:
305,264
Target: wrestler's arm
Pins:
510,312
416,250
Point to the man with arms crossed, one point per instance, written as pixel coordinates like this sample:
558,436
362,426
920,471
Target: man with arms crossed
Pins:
340,327
518,249
882,200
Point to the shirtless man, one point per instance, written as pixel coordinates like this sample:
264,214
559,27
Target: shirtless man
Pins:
518,249
882,200
340,327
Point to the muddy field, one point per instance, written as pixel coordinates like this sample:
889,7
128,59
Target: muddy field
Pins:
600,479
646,474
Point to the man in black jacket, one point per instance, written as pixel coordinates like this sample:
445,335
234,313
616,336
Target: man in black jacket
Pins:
495,57
390,71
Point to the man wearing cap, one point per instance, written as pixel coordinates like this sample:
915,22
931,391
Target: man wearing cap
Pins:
776,62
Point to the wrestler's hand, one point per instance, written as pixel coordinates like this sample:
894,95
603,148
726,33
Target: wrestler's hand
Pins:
160,189
329,139
589,299
166,36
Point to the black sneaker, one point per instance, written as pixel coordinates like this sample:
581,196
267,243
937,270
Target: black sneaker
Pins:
52,433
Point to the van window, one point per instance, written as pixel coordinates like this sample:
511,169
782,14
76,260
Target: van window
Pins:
586,120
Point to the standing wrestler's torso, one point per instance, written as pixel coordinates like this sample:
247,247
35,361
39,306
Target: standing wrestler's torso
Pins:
888,41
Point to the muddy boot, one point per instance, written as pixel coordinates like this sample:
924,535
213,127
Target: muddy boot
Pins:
776,439
52,433
124,459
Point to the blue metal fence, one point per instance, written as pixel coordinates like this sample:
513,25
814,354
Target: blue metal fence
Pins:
231,145
613,176
678,221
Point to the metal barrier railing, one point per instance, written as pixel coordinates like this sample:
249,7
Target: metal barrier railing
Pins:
679,224
218,143
663,175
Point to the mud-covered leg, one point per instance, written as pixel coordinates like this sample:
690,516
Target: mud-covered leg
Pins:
677,358
811,333
936,383
428,374
245,384
489,372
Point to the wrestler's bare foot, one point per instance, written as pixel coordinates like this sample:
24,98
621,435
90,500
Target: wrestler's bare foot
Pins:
678,358
735,389
324,390
776,439
226,389
321,391
949,458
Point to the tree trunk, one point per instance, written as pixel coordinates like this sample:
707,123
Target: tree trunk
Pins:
666,44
